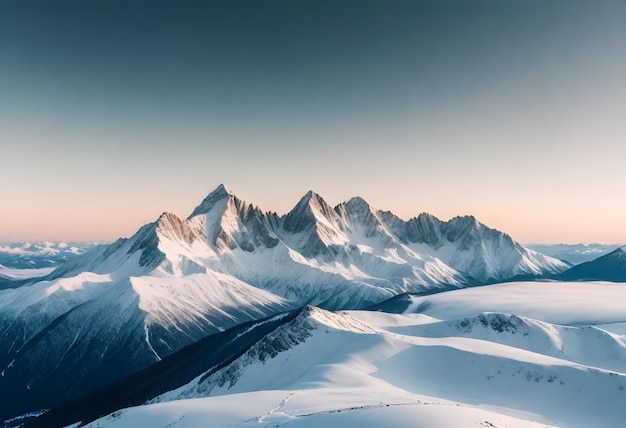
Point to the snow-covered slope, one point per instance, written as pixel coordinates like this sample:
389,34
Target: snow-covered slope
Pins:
111,312
310,409
120,307
208,354
565,303
360,368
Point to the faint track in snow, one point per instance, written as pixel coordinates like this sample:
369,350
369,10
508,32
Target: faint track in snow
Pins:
367,407
352,408
277,408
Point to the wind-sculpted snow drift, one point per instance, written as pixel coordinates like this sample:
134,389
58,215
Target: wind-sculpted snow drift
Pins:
121,307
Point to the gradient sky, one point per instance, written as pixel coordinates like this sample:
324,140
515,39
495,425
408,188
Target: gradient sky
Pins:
112,112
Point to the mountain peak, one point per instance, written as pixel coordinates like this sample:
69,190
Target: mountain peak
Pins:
424,216
311,201
220,192
167,216
311,197
312,209
357,211
357,203
619,253
221,188
466,222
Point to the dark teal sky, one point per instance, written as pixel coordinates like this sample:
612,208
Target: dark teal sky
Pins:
113,111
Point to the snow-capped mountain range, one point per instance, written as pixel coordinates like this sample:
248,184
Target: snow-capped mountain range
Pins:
39,255
19,262
119,308
350,242
574,253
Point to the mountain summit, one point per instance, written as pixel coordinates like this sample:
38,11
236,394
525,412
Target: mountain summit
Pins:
217,195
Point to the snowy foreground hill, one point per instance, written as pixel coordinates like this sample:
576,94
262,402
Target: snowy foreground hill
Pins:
505,355
119,308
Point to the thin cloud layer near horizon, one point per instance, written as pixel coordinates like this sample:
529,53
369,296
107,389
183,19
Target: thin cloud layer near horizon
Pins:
112,112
